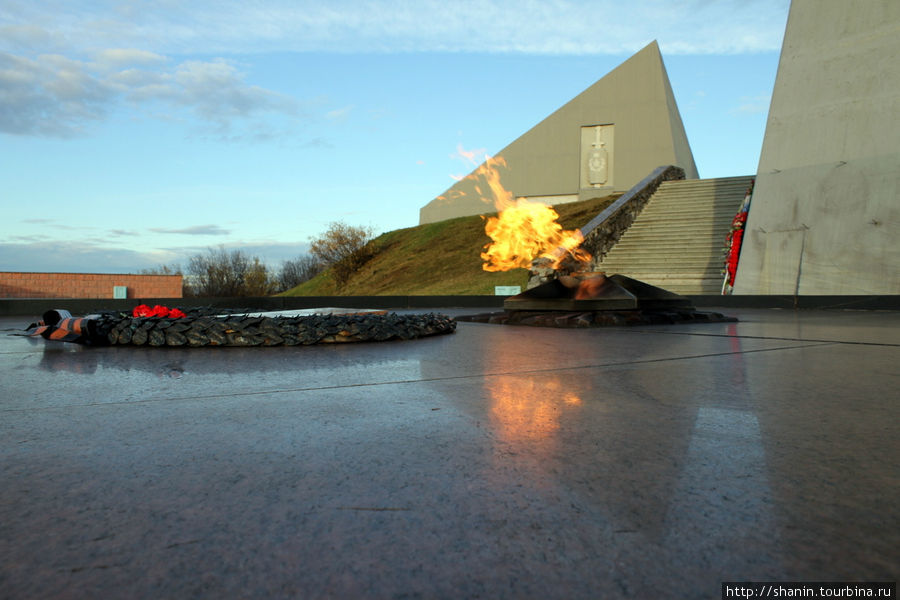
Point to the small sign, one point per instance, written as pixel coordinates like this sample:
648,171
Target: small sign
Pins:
120,291
507,290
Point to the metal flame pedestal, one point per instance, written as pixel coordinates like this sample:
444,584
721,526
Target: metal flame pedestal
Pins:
615,292
596,302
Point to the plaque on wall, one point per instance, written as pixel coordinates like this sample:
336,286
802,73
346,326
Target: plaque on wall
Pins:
596,156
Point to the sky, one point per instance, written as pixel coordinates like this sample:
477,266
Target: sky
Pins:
135,134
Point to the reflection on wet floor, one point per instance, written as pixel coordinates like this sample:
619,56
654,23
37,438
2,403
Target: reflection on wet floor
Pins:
497,462
527,409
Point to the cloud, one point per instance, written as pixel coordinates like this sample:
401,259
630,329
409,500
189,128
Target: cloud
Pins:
49,96
77,257
114,58
195,230
25,36
561,27
339,114
752,105
55,96
64,69
473,157
101,257
318,142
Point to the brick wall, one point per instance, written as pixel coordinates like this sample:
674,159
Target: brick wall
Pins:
87,285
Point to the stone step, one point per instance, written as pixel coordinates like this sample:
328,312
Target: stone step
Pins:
701,192
713,198
707,215
689,211
652,261
664,250
717,199
671,256
679,219
643,239
685,271
682,224
676,188
684,234
740,179
669,277
677,241
707,269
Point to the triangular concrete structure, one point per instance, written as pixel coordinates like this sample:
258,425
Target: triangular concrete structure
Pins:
825,215
605,139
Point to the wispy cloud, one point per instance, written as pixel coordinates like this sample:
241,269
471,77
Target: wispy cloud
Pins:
56,96
195,230
471,158
63,69
339,114
318,142
102,257
752,105
350,26
81,256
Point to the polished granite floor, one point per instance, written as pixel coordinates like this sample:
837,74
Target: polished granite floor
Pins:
497,462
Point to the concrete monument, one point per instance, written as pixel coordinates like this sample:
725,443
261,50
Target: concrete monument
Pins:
825,214
606,139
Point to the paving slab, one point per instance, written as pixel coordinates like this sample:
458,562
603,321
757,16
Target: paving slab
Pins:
496,462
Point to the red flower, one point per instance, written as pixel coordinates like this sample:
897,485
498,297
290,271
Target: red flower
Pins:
143,310
159,311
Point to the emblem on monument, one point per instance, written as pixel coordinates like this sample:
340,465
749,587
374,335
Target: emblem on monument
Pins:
598,161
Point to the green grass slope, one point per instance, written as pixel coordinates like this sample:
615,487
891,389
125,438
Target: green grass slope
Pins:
440,258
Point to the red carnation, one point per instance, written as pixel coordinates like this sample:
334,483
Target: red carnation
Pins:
143,310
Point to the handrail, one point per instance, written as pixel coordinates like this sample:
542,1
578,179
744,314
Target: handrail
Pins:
603,231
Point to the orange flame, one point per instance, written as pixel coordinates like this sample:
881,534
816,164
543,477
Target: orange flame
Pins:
524,230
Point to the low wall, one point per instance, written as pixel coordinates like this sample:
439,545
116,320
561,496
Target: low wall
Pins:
80,306
87,285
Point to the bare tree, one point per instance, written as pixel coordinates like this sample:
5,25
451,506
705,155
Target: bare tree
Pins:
173,269
223,273
338,242
257,280
344,248
296,271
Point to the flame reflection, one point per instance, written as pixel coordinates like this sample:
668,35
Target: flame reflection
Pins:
528,409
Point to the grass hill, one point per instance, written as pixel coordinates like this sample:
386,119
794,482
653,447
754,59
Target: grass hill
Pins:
440,258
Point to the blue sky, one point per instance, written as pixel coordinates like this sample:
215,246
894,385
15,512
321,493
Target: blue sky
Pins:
134,134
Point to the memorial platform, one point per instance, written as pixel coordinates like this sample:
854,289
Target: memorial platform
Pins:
495,462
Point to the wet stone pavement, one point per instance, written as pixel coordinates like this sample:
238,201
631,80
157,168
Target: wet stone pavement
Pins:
494,462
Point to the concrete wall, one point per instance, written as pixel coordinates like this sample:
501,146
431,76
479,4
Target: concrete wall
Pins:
87,285
825,215
548,160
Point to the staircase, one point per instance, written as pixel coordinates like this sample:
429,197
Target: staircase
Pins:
676,242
